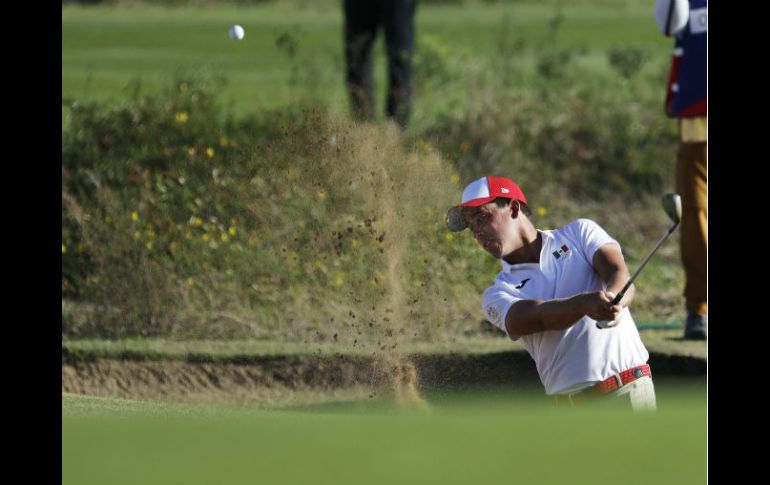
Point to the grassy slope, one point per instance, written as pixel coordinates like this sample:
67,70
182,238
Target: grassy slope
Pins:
104,49
663,341
485,439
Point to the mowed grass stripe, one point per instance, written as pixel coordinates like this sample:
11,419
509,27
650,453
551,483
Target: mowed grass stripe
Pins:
666,341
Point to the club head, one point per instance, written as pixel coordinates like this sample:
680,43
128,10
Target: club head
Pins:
672,204
602,324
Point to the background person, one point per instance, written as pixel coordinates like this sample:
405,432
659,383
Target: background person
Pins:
686,99
362,20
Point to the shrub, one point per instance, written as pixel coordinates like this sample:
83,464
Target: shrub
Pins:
178,221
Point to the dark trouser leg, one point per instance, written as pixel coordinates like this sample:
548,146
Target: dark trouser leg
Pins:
691,184
398,21
360,32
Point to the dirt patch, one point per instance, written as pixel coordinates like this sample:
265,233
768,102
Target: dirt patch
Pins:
268,381
166,380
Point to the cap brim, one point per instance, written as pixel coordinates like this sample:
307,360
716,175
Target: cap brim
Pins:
455,220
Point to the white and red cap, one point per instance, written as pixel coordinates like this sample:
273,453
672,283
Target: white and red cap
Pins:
480,192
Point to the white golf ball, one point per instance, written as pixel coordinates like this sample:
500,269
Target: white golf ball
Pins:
236,32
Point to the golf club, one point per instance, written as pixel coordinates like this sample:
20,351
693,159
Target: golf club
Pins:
672,204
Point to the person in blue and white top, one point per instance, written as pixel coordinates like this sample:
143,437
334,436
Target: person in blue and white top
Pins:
553,287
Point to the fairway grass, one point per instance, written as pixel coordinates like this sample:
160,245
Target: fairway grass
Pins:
501,438
108,53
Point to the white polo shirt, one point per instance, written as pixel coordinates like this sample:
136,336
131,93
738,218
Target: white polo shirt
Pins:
581,355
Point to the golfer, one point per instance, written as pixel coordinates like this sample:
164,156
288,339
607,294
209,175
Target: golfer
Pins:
553,287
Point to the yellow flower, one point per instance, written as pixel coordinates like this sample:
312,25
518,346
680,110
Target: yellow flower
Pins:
541,211
63,248
210,152
137,235
449,237
183,87
134,216
191,151
188,235
181,117
339,280
149,245
455,179
223,237
190,281
429,211
354,243
206,237
224,141
321,194
197,221
292,174
231,231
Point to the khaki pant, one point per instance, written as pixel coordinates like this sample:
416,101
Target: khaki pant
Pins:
641,392
692,184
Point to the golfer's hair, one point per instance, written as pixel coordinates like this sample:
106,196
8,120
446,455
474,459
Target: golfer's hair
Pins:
504,201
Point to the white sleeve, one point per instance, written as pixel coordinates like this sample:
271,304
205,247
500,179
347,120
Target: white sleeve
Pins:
680,14
591,236
497,302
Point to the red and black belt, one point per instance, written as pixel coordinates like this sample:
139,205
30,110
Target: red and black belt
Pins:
619,380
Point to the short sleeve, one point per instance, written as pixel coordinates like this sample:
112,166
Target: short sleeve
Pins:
497,301
590,235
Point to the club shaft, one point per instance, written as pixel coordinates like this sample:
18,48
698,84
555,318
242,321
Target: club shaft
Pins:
622,292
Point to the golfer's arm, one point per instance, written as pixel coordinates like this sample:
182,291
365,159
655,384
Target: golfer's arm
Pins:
526,317
609,264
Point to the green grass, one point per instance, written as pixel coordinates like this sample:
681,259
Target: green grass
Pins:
119,53
666,341
500,438
105,50
162,348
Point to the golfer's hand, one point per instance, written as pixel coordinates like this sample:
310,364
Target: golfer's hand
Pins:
599,307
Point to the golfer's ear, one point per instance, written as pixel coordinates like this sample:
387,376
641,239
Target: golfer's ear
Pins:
515,208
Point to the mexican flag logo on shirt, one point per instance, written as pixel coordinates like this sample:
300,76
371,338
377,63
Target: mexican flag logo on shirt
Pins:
560,252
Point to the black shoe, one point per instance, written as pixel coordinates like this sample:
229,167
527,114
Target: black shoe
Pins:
696,327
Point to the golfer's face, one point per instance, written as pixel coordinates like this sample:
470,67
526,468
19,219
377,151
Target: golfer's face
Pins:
488,224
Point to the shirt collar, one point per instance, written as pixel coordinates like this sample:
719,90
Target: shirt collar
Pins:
547,237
